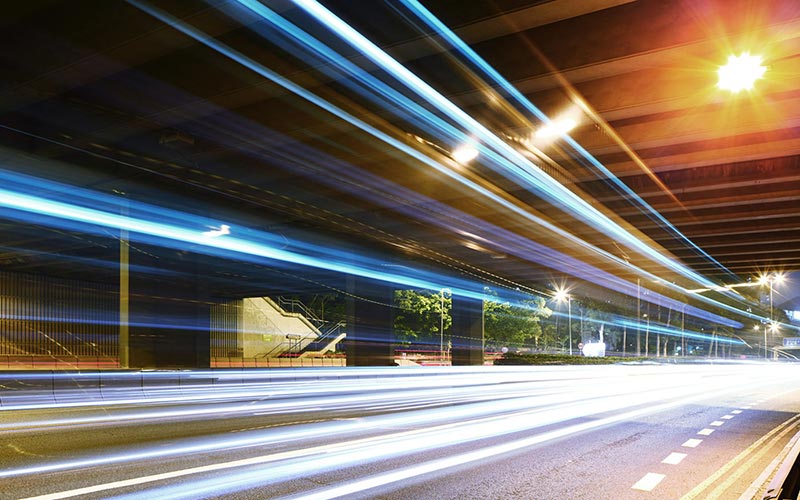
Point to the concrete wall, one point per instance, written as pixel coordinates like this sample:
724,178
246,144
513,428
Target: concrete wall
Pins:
268,330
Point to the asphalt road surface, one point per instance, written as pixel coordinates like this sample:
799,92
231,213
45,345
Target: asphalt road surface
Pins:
591,432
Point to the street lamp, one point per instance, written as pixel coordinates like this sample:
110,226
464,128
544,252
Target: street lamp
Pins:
561,296
741,72
774,327
771,279
765,338
441,322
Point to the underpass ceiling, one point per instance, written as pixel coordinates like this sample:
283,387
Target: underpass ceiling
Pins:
105,96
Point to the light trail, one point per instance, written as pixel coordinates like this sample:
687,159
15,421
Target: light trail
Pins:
391,98
513,163
327,106
445,32
163,230
618,395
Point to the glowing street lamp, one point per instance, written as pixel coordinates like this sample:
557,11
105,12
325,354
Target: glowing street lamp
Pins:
740,73
441,321
756,327
561,296
771,279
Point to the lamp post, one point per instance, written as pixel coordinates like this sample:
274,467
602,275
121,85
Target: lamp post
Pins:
441,327
441,323
561,296
569,322
770,279
773,328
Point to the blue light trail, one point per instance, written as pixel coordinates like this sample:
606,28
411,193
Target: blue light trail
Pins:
443,31
512,161
302,92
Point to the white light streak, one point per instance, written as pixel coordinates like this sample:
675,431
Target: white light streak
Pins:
539,398
220,231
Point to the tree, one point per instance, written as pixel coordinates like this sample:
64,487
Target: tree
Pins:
420,315
515,323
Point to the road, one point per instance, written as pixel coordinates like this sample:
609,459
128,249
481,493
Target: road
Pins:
565,432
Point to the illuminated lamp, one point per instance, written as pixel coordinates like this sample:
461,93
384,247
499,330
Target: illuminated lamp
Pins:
740,73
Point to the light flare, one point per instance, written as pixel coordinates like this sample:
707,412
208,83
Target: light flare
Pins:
740,72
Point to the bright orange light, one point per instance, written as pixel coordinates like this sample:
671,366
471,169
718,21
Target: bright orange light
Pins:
740,73
556,128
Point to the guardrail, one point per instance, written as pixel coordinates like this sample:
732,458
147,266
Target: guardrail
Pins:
786,482
45,389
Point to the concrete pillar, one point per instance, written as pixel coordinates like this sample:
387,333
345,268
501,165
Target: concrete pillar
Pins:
370,332
467,331
169,323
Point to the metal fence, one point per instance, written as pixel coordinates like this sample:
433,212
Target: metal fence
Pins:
51,317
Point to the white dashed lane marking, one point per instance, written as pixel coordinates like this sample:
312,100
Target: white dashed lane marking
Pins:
674,458
651,479
692,443
648,482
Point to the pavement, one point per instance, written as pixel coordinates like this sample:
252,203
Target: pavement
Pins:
565,432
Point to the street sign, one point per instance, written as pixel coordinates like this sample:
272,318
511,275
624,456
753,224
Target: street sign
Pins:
791,342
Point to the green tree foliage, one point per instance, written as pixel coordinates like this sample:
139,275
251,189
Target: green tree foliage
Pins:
421,313
515,323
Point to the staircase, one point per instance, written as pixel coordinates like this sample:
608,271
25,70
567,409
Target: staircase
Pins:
326,342
268,330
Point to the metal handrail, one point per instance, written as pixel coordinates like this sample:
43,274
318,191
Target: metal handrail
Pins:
306,311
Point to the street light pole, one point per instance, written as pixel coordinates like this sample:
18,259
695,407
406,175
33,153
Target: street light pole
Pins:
771,317
441,321
569,321
638,317
561,296
441,326
770,279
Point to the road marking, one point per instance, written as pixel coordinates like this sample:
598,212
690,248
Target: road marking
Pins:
705,432
649,481
736,412
728,417
717,423
674,458
743,462
692,443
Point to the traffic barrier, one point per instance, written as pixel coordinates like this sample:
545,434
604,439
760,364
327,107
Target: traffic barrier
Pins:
76,386
26,388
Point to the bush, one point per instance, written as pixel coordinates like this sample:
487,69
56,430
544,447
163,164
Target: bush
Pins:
558,359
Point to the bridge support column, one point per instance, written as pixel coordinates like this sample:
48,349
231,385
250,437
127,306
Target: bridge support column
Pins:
168,325
467,331
370,332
